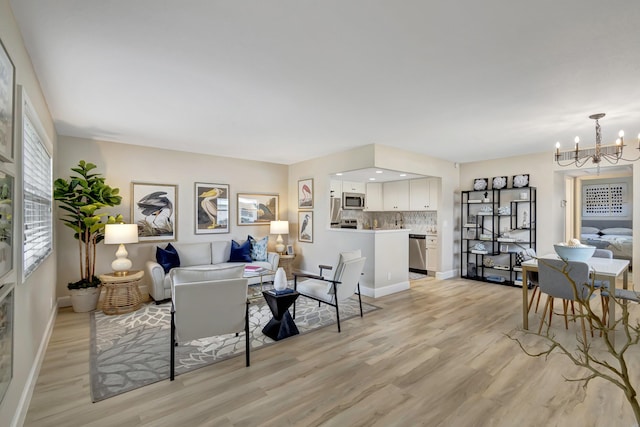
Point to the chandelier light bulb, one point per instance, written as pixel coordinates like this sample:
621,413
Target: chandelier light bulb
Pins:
618,141
621,134
577,140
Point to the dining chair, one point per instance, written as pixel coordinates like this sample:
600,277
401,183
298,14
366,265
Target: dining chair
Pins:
557,279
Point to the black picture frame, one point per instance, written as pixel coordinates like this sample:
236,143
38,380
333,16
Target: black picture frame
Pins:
499,182
481,184
520,181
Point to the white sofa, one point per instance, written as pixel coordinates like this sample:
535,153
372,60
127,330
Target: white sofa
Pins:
208,255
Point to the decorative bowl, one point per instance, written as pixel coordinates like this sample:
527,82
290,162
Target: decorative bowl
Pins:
574,253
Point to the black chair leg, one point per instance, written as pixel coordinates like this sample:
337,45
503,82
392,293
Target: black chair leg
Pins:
359,299
337,315
246,334
173,347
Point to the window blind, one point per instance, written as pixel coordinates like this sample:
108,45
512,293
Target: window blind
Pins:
37,198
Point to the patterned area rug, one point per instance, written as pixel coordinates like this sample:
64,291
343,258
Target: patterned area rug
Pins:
131,350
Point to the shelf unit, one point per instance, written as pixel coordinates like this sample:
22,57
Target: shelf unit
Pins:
503,221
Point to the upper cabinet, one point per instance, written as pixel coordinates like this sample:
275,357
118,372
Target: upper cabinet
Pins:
353,187
335,188
420,194
396,196
373,200
423,194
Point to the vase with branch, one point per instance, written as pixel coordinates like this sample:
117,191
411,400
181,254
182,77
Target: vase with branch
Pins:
607,361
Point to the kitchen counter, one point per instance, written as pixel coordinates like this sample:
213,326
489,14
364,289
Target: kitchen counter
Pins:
372,231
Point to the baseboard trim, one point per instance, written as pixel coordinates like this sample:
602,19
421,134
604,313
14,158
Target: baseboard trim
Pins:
386,290
446,274
27,392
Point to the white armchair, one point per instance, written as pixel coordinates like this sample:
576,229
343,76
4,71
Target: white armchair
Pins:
345,282
208,308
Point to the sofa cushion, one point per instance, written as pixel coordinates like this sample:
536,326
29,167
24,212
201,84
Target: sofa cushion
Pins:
258,248
194,253
202,273
168,257
220,251
240,252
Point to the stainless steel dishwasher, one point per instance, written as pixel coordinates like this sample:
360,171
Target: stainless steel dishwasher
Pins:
418,253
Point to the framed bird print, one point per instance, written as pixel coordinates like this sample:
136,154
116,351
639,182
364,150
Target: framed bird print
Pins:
305,226
305,193
154,208
211,208
257,209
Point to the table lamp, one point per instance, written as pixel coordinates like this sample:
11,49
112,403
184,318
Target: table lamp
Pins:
119,234
279,228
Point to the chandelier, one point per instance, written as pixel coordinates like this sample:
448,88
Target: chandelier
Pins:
612,153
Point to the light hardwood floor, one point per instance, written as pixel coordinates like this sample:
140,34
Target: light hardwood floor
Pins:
436,355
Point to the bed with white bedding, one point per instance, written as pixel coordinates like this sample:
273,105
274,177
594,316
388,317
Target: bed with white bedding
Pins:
614,236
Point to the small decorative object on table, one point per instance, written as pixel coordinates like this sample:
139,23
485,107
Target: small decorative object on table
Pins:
280,280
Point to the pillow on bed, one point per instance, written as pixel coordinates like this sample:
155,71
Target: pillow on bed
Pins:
589,230
619,231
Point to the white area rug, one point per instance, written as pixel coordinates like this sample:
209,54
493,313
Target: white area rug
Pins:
132,350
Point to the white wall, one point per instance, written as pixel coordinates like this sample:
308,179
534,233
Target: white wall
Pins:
121,164
35,298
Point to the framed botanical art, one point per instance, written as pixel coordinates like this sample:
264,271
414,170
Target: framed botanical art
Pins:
305,226
480,184
305,194
211,208
6,223
7,111
499,182
154,208
257,209
6,336
520,181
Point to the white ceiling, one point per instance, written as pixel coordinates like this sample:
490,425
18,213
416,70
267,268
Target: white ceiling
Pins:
289,80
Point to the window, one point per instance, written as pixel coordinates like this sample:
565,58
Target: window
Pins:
37,192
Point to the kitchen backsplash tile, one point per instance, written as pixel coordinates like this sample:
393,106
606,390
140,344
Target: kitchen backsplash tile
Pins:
418,221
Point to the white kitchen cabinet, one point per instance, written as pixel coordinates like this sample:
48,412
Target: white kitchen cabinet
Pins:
373,200
335,187
353,187
423,194
432,253
395,195
418,194
434,193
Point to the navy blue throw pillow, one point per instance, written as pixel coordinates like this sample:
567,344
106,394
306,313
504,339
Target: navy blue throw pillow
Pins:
168,257
240,252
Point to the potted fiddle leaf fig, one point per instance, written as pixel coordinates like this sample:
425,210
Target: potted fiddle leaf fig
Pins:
81,197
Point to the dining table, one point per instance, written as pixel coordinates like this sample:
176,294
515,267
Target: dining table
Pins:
604,269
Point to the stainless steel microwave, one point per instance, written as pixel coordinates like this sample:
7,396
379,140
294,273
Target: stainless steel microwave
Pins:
352,201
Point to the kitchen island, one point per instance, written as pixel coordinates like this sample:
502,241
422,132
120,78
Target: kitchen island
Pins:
386,270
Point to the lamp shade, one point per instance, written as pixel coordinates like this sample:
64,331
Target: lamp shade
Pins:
115,234
279,227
